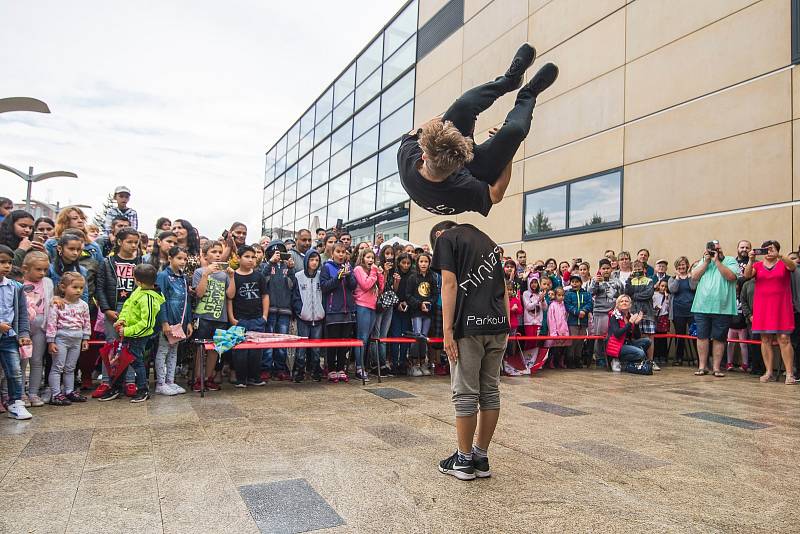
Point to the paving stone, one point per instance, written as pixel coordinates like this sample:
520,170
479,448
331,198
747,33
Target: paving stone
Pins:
555,409
616,455
391,393
288,506
688,393
58,442
730,421
217,410
398,435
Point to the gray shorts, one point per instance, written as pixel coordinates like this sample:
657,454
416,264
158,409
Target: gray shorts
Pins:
475,376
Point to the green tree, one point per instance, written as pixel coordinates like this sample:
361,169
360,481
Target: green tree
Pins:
596,219
100,216
539,223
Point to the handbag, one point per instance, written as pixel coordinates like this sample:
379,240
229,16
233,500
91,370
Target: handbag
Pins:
662,324
175,334
387,300
116,357
644,367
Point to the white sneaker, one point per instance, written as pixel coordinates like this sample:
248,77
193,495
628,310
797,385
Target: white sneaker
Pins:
17,411
615,365
416,371
163,389
36,401
426,371
656,367
177,389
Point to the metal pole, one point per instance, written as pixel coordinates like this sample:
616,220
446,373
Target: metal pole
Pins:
30,184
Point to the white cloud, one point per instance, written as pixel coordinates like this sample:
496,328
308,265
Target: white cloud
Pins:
178,100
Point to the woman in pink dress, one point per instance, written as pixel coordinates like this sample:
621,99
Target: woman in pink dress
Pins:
773,314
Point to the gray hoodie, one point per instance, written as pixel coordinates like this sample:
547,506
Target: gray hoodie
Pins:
307,301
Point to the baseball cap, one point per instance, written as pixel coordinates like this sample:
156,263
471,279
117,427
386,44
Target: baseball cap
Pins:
122,189
575,276
662,261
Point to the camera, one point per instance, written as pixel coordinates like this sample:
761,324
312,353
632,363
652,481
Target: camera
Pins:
637,274
223,265
760,251
285,256
539,268
711,247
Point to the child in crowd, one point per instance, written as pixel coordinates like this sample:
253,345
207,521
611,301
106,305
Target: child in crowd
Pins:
39,293
309,309
136,324
557,326
159,257
513,363
531,320
401,318
212,285
115,284
604,290
422,293
639,287
175,311
69,328
578,303
14,334
248,308
369,279
338,283
68,253
661,307
280,279
548,295
384,313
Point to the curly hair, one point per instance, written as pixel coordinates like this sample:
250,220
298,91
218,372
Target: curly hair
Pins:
445,148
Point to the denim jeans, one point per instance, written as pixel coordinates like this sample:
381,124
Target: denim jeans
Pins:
274,360
421,325
401,322
301,362
136,346
365,322
9,359
383,320
248,362
635,351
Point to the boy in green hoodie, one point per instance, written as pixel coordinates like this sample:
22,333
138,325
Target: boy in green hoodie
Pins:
136,324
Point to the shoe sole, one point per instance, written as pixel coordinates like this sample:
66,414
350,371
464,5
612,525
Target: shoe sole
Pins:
12,416
458,474
482,474
137,401
109,398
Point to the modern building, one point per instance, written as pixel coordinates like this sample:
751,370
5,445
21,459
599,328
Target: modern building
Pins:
673,122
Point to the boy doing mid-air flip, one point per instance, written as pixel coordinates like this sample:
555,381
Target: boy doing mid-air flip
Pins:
441,167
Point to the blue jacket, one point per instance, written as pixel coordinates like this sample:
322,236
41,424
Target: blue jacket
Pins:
20,324
92,248
338,294
576,302
175,289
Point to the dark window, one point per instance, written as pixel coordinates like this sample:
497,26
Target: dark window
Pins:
582,205
441,26
795,31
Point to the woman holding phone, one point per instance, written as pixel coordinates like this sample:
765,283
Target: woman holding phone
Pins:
16,232
773,313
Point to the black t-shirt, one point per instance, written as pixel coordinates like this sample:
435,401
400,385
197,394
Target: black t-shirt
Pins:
460,192
475,260
250,288
125,282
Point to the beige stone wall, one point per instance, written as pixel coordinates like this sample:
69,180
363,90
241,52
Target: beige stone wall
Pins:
696,100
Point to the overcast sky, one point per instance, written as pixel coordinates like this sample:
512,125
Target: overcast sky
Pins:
177,99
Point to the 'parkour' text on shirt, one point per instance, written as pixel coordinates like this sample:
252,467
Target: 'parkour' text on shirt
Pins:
475,260
458,193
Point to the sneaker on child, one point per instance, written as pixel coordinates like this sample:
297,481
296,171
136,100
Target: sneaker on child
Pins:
16,410
141,395
458,466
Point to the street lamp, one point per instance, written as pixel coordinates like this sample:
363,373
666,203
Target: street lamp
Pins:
30,178
23,103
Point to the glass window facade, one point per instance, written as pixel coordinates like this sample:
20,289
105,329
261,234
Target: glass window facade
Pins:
329,165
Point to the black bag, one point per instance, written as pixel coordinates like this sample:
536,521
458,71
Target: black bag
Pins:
644,367
387,300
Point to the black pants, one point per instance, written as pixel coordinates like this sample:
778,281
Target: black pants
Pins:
337,357
681,325
494,154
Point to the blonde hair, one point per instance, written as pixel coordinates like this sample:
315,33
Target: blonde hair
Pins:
66,279
33,256
92,228
445,148
621,297
62,221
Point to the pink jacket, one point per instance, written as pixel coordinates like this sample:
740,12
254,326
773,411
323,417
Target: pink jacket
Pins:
557,324
532,303
365,293
73,317
515,307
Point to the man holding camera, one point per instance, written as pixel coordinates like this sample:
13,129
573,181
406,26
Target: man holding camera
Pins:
279,273
714,304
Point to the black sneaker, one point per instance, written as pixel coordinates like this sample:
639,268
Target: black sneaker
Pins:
460,470
141,395
522,60
109,395
60,400
74,396
481,466
317,377
256,382
298,377
542,79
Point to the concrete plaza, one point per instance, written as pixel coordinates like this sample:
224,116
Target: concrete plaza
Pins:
575,451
